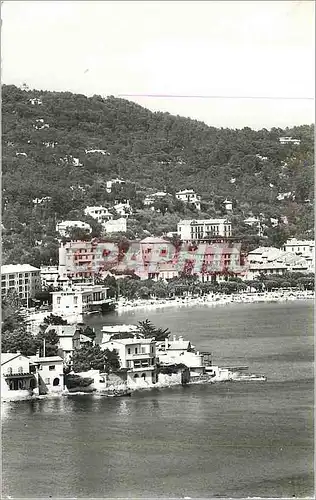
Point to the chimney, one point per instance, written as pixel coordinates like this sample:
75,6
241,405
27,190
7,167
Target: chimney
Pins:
180,338
174,338
166,343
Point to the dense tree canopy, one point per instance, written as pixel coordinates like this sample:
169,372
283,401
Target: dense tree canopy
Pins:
50,171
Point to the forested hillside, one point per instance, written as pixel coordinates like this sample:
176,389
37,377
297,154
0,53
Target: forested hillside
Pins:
45,136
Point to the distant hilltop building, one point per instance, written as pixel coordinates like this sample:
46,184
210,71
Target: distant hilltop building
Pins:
254,222
64,227
116,225
99,213
110,183
203,229
189,196
228,204
289,140
123,209
152,198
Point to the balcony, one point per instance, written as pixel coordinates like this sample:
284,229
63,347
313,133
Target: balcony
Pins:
142,368
140,356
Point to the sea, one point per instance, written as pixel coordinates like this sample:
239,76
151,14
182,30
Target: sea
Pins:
233,439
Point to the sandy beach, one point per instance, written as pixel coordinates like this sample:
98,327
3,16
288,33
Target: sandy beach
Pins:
212,300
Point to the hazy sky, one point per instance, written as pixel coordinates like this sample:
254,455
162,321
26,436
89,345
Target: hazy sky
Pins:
213,48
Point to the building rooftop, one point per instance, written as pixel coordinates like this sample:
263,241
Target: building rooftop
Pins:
63,330
154,239
46,359
7,356
128,341
204,221
119,328
17,268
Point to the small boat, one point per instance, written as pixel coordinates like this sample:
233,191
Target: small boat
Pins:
249,378
115,393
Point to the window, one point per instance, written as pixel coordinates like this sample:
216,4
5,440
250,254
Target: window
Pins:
58,300
143,350
75,300
47,381
9,371
136,350
51,367
20,369
56,381
128,351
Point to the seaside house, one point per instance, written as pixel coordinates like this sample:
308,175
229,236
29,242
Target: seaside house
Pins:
70,338
22,278
137,357
189,196
17,375
49,373
180,351
80,299
204,229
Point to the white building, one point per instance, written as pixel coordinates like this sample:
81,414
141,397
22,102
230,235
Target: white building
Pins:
228,204
50,373
22,278
273,261
123,209
152,198
116,225
289,140
66,335
22,376
17,377
189,196
190,230
110,183
138,357
99,213
64,227
303,248
109,330
254,222
49,276
78,300
178,351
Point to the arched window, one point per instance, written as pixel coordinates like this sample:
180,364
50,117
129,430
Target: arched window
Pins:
143,375
136,376
9,371
20,369
56,381
32,383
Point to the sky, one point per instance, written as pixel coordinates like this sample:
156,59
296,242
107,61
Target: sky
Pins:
171,48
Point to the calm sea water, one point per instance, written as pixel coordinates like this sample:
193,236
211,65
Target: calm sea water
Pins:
228,439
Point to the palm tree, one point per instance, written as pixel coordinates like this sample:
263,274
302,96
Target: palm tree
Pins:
148,330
